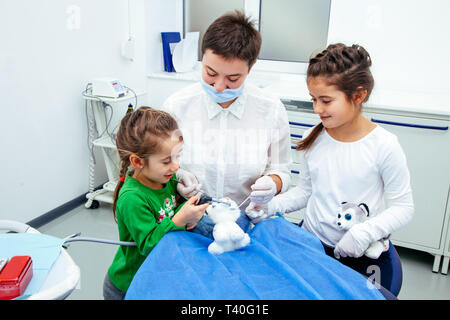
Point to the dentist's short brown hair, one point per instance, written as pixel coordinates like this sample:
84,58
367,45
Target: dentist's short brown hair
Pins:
233,35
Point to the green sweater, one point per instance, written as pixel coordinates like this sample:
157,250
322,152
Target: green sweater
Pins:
143,216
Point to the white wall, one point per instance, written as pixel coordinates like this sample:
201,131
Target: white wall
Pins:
408,43
46,60
44,66
161,16
407,40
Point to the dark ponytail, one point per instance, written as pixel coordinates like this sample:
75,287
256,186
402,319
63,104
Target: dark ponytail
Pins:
122,175
347,68
305,143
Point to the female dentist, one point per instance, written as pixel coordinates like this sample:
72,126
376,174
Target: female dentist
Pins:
237,140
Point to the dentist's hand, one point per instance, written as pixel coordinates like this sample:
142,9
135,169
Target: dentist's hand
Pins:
257,212
188,185
264,190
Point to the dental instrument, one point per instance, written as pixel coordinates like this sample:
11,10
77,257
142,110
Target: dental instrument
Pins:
245,200
205,198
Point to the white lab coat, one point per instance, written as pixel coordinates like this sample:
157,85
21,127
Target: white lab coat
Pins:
228,149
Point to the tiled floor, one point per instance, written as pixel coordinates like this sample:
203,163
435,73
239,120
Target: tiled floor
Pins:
419,282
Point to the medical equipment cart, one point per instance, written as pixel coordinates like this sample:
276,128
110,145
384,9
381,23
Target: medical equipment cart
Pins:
103,116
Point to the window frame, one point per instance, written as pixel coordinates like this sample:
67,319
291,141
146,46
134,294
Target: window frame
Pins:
252,9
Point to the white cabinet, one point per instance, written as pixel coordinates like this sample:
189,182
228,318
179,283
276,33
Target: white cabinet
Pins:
161,85
445,263
426,143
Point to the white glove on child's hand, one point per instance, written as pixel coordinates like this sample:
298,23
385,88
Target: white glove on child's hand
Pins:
257,212
188,185
349,247
264,190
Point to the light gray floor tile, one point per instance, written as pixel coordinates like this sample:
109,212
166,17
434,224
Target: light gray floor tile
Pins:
419,282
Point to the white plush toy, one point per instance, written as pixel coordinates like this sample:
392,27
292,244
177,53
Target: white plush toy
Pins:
350,214
228,236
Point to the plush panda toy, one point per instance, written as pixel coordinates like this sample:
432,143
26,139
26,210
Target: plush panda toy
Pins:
350,214
228,236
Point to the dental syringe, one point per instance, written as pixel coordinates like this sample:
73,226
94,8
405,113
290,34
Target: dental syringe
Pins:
204,198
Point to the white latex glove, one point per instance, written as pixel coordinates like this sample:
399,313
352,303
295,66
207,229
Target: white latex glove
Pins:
188,185
264,190
348,246
257,212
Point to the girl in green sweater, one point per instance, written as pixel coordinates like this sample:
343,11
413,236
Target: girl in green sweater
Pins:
146,203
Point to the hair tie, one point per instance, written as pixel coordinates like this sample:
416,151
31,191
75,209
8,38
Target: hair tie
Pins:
121,178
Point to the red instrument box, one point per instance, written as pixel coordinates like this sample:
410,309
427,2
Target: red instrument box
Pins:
15,276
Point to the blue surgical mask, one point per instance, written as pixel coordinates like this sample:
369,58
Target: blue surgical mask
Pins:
220,97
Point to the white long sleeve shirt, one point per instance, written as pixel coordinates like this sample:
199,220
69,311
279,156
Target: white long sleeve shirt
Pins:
366,171
228,149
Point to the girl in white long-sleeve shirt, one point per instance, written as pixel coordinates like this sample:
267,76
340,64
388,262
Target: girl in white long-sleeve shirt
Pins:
347,158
